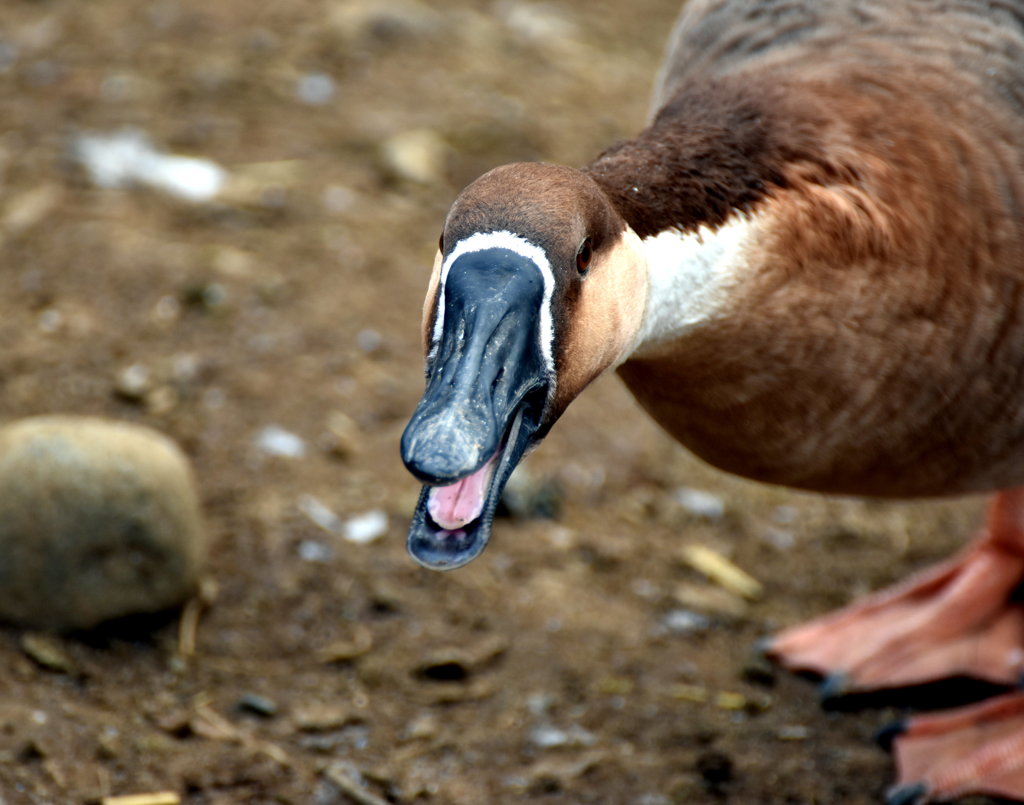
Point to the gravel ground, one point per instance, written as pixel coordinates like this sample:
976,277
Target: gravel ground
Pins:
273,332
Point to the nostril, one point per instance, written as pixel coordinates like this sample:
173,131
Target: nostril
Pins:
497,378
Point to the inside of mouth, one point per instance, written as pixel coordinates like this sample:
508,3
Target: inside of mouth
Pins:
456,505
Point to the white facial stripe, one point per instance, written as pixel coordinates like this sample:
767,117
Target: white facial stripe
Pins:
505,240
690,276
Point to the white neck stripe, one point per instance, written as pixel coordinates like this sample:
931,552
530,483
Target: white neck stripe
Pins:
691,276
480,241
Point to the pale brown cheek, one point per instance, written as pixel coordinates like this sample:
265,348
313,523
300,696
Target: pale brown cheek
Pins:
430,303
586,351
606,318
569,380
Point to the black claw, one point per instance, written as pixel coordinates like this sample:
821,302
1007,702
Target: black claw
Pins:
889,733
763,647
834,686
906,794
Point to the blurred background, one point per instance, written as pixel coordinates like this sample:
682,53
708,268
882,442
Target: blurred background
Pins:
218,220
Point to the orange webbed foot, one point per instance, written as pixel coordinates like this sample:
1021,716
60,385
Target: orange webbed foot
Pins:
971,750
959,618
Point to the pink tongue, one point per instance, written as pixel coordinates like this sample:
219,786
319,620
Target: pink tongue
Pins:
453,506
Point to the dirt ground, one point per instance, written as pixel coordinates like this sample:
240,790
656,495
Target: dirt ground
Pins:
580,660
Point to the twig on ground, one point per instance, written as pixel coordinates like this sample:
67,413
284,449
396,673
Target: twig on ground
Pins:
351,788
155,798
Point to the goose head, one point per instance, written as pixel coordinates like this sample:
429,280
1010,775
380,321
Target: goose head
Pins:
537,288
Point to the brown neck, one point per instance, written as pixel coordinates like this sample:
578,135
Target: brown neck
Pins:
719,146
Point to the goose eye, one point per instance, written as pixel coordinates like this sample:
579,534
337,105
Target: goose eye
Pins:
583,256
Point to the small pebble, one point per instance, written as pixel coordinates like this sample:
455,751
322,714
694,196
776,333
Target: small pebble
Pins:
258,705
50,320
133,382
793,732
557,774
527,496
322,716
339,199
344,650
547,736
779,538
645,588
311,550
167,309
161,400
653,799
117,87
715,601
320,514
45,651
685,622
699,503
423,727
109,743
458,664
361,22
315,89
8,55
784,515
366,527
542,23
186,368
419,156
276,441
539,703
213,398
208,296
343,435
369,340
29,208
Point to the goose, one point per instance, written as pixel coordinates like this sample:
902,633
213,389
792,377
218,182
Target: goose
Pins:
808,268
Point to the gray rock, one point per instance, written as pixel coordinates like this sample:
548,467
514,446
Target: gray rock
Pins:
98,519
417,155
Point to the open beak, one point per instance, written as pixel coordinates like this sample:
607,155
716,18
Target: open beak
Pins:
487,386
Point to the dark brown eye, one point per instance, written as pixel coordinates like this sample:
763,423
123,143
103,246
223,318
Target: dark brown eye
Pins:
583,256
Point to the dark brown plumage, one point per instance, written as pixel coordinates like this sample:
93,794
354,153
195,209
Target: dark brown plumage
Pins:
890,302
